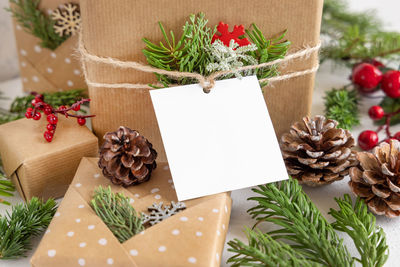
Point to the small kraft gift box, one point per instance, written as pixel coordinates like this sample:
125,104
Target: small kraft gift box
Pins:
112,33
47,66
42,169
78,237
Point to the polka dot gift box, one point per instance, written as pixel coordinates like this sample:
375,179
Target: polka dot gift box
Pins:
78,237
43,69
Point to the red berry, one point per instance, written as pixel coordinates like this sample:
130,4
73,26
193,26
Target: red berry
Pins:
397,136
28,114
368,140
47,110
51,127
377,63
367,76
62,108
391,83
48,136
34,102
52,119
376,112
81,121
77,107
39,96
37,116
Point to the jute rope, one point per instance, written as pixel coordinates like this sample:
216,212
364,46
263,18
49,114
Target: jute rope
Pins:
207,82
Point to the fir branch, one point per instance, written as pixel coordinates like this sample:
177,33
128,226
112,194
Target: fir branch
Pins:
25,221
360,225
263,250
342,105
116,212
267,50
35,22
6,187
354,37
287,206
55,99
186,54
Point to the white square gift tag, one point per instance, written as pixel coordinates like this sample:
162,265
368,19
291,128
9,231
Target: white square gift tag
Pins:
220,141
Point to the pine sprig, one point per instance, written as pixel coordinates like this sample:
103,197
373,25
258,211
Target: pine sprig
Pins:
6,187
360,225
287,206
25,221
262,250
35,22
342,105
354,36
116,212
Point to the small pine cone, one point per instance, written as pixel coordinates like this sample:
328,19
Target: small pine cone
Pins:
316,152
126,157
377,179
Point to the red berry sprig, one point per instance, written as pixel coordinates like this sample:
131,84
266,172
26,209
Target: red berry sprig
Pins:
369,139
39,105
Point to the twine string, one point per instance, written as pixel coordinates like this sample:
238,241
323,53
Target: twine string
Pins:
206,82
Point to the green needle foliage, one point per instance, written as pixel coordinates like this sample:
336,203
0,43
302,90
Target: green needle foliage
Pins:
185,54
262,250
191,52
342,105
24,222
35,22
355,36
305,238
116,212
287,206
6,188
360,225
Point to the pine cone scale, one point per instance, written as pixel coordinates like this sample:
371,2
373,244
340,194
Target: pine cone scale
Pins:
126,157
316,152
376,179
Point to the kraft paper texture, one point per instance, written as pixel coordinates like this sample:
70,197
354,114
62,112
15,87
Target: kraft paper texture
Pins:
42,169
45,70
78,237
115,29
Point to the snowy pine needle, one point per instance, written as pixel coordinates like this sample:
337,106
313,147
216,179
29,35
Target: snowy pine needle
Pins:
224,58
117,213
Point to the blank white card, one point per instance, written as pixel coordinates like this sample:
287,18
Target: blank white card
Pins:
220,141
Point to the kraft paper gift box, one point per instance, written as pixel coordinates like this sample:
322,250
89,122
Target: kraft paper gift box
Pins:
42,169
43,69
78,237
115,29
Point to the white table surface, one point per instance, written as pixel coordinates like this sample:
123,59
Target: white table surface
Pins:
323,197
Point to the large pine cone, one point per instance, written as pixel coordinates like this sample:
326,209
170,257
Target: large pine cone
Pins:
126,157
377,179
316,152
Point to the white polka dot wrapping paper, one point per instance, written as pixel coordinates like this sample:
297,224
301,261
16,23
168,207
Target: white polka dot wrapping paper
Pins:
43,69
78,237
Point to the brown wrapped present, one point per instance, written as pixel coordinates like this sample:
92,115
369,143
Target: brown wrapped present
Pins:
115,29
42,169
43,69
78,237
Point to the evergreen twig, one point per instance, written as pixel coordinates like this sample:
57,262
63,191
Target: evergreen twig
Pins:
360,225
6,187
342,105
262,250
35,22
287,206
25,221
354,36
116,212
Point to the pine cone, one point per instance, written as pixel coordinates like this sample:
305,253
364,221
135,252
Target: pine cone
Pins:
377,179
126,157
316,152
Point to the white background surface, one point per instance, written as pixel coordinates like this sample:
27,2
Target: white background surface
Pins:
326,79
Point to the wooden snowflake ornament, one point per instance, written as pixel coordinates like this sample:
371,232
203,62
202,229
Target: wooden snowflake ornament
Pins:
67,19
226,36
159,213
